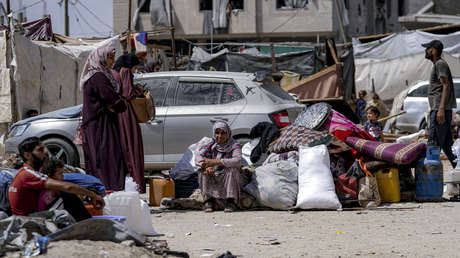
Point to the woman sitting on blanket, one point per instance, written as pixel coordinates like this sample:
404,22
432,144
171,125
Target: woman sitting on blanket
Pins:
220,170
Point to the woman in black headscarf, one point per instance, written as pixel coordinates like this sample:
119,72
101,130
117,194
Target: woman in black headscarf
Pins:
130,131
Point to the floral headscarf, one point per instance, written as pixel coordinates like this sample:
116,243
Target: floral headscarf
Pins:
228,145
208,148
96,62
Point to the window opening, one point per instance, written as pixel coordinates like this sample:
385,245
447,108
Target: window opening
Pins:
401,7
145,8
291,4
206,5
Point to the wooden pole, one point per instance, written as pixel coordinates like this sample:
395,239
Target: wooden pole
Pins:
173,41
272,53
128,37
389,117
129,16
8,11
66,17
334,55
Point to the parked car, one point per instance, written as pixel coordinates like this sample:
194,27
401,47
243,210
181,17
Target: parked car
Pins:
187,104
416,105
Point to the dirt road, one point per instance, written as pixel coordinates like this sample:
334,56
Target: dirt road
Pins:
419,230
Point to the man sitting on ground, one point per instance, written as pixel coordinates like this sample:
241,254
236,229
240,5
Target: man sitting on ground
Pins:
27,185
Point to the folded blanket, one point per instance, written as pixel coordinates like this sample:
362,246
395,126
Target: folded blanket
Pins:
395,153
294,136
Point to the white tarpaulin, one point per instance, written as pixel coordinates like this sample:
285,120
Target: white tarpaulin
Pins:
47,76
399,60
5,90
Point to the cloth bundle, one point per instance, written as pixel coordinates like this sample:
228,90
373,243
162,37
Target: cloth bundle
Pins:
275,185
342,127
290,156
396,153
293,136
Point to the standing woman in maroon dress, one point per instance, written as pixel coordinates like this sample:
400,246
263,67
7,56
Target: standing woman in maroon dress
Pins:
130,131
100,134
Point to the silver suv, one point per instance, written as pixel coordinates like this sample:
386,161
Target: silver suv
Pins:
416,106
187,104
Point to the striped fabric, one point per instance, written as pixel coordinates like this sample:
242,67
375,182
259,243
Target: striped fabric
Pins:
395,153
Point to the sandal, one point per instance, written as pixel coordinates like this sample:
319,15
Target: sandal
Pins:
230,207
208,207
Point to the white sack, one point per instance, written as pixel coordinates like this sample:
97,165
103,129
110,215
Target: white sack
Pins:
316,185
5,96
275,185
135,210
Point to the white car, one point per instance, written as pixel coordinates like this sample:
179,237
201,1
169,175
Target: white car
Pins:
416,105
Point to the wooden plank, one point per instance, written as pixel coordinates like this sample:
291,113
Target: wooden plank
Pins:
389,117
155,46
311,78
321,100
370,38
334,55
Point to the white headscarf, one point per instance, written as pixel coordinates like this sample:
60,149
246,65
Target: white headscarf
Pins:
96,62
228,145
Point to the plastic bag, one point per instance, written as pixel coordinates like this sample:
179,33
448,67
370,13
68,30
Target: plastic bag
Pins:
368,195
130,185
186,167
135,210
275,185
316,185
456,150
247,150
409,138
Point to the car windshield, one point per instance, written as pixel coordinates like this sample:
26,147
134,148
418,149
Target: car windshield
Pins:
276,94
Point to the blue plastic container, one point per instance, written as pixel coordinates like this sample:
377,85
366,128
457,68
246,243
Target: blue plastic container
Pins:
120,219
429,177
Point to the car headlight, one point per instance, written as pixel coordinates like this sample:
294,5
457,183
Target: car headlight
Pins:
18,130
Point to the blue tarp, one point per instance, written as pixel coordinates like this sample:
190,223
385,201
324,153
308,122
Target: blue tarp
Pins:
86,181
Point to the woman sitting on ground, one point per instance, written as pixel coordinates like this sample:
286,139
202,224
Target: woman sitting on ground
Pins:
220,170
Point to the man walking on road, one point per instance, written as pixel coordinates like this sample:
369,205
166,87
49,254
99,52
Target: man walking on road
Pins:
442,100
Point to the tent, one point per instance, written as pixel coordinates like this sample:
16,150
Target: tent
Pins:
251,60
46,75
398,61
41,75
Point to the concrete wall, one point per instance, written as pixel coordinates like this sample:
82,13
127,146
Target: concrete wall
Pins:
363,16
189,19
316,18
120,15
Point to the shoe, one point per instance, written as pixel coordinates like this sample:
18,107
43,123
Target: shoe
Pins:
208,207
230,207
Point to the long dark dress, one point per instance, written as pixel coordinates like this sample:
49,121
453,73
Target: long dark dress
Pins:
101,138
130,131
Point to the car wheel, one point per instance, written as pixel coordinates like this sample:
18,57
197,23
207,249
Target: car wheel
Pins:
422,125
62,150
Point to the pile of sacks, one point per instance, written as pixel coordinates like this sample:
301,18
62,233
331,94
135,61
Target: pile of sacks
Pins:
319,162
322,160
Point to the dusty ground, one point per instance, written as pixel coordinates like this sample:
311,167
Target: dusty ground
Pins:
421,230
396,230
92,249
